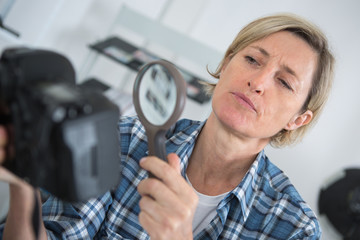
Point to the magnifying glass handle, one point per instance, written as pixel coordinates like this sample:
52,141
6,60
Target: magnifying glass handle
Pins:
157,147
160,149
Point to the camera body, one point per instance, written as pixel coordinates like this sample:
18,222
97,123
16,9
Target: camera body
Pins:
65,136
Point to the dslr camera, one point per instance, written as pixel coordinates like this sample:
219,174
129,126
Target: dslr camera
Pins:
65,136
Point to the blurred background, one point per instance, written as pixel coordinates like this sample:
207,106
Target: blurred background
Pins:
194,35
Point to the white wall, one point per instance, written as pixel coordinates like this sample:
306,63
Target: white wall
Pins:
70,25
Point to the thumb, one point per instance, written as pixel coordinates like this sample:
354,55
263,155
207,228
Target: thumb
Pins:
174,162
9,177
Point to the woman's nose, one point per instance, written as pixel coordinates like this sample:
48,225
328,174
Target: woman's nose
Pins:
259,82
258,90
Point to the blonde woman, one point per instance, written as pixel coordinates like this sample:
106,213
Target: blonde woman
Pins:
218,183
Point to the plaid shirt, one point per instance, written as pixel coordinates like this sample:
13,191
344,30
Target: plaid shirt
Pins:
265,205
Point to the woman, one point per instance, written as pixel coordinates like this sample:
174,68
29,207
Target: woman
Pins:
218,183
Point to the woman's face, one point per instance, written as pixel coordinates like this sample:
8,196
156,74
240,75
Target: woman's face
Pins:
262,88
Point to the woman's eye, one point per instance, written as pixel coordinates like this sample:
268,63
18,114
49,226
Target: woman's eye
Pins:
251,60
285,84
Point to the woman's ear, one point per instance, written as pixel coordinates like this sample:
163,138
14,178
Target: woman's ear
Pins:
299,120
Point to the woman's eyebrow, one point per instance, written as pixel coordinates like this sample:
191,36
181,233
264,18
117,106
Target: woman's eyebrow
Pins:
290,71
261,50
284,67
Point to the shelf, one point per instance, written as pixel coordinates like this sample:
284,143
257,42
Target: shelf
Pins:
133,57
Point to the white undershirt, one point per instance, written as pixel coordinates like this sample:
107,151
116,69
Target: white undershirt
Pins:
205,211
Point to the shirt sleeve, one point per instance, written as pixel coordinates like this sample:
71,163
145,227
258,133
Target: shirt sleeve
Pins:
63,220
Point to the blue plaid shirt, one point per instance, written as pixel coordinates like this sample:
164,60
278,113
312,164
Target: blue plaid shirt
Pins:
265,205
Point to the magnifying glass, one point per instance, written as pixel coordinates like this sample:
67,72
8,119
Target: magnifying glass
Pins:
159,96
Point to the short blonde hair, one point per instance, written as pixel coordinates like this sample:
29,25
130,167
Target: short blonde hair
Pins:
323,76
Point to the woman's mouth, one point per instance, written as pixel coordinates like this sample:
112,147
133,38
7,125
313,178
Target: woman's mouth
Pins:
245,101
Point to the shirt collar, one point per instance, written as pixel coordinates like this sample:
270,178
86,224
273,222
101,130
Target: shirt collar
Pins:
182,143
245,191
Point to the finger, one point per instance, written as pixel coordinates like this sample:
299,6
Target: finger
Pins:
153,209
2,155
3,136
159,221
153,228
163,204
159,192
166,173
7,176
3,142
174,162
170,185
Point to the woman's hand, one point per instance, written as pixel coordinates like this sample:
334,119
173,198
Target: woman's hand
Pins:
21,198
6,149
168,202
3,143
5,175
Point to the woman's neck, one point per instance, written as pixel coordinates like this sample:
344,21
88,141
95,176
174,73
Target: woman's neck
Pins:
220,159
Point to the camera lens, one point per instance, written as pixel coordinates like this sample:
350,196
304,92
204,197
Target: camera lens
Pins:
87,109
59,114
